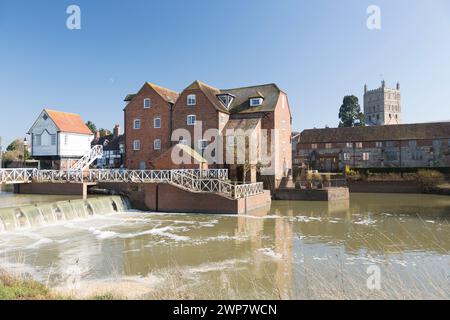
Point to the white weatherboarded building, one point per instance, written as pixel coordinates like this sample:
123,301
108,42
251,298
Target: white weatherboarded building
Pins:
58,138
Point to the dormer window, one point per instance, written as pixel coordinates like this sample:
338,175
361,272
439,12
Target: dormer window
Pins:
191,100
147,103
226,99
255,102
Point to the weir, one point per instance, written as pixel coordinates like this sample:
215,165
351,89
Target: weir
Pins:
49,213
175,190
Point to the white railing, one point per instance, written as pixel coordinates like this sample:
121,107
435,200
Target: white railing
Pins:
95,153
187,180
55,176
133,176
11,176
212,181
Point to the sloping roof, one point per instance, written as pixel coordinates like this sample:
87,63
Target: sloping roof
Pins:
167,94
113,142
416,131
243,124
270,93
68,122
210,93
186,151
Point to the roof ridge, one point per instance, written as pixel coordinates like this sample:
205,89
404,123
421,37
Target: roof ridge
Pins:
151,84
53,110
254,86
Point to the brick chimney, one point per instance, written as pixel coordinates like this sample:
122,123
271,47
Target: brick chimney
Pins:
116,131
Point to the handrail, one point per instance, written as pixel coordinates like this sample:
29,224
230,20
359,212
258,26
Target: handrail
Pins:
95,153
191,180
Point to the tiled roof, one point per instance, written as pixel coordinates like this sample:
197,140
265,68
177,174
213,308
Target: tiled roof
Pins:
210,93
241,103
416,131
167,94
112,144
270,93
68,122
242,124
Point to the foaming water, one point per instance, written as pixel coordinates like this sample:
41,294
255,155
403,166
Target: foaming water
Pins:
31,216
296,250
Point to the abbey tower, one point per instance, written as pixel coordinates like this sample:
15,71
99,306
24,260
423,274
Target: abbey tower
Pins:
382,105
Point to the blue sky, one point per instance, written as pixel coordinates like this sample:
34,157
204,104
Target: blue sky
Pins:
317,51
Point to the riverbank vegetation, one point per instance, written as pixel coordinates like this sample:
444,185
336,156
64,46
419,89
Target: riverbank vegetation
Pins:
14,287
424,177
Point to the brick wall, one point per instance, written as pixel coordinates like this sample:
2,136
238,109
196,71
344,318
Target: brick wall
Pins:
204,111
147,133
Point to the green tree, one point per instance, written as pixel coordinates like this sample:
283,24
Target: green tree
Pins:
91,126
350,113
15,152
104,132
17,144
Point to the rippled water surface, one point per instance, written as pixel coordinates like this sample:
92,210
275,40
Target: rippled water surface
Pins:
308,250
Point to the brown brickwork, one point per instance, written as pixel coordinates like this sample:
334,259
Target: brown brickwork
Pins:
147,134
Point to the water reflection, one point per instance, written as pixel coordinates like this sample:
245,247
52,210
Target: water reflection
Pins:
292,250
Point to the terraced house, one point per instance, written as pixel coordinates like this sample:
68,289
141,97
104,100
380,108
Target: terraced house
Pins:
156,118
406,145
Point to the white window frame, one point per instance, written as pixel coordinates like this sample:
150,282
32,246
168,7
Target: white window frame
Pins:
154,123
136,145
328,145
254,102
358,145
149,103
366,156
349,145
191,100
314,146
379,144
190,123
157,144
346,156
135,122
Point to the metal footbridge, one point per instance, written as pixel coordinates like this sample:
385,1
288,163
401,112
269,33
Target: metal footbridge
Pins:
208,181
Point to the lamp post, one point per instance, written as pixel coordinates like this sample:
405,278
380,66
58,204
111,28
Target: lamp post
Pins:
25,145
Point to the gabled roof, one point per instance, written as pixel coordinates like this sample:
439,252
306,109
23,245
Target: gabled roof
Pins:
243,124
415,131
269,92
113,142
67,122
167,94
210,93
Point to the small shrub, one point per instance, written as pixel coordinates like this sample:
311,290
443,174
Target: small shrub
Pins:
430,178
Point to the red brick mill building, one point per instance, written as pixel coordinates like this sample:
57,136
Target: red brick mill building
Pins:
154,113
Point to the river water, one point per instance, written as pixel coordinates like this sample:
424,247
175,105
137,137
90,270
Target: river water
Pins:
374,246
